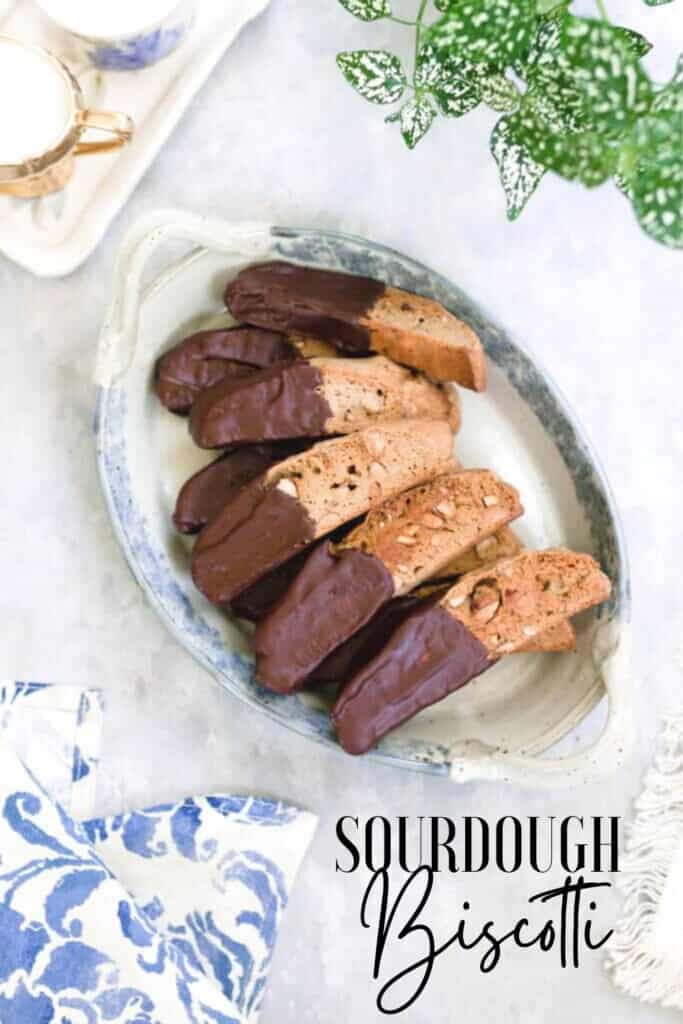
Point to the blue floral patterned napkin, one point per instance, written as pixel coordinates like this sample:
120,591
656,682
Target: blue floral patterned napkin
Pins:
167,916
57,730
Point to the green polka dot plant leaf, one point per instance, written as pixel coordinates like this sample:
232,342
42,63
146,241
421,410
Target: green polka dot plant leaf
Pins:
490,31
671,96
459,85
653,179
416,119
375,74
367,10
637,44
600,63
499,92
587,157
575,97
451,82
519,172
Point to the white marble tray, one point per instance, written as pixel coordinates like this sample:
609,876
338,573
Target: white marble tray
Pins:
521,427
54,235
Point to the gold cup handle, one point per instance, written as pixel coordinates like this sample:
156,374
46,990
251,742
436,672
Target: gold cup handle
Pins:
117,125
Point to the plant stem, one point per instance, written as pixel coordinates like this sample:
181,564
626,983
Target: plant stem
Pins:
603,10
400,21
418,32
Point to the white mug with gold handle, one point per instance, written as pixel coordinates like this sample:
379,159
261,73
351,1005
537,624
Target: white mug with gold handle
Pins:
41,130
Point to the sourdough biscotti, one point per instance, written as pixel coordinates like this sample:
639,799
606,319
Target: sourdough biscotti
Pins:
504,544
359,649
316,398
309,495
397,547
442,646
359,315
201,360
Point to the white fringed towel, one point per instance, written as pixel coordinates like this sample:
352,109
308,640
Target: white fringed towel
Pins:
646,950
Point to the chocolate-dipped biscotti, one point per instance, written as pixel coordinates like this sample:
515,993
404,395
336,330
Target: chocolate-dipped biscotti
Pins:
314,398
398,546
203,359
359,315
443,645
349,657
309,495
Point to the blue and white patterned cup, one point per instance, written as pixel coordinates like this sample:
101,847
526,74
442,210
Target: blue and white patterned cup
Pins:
123,36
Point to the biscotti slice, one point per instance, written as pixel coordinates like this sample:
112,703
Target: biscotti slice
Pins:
309,495
442,646
207,491
359,649
315,398
359,314
504,544
201,360
397,547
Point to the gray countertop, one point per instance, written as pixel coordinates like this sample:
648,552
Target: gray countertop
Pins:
277,135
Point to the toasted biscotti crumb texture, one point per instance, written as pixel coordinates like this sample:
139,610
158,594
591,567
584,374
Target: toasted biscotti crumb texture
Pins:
360,392
337,480
421,333
519,599
418,532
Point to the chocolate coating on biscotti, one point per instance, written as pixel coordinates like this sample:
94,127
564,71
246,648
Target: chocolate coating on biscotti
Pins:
332,597
429,656
343,663
283,401
261,597
204,494
318,398
406,540
330,484
201,360
359,315
288,298
255,532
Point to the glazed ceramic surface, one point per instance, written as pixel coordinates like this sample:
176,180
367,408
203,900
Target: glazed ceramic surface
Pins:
521,427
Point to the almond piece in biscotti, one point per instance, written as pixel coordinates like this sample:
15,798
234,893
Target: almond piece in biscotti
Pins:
315,398
309,495
443,645
558,639
503,543
359,315
396,547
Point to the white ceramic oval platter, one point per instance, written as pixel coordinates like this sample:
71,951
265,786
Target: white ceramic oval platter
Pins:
497,727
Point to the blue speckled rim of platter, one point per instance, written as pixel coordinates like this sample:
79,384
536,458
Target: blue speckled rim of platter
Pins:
152,569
